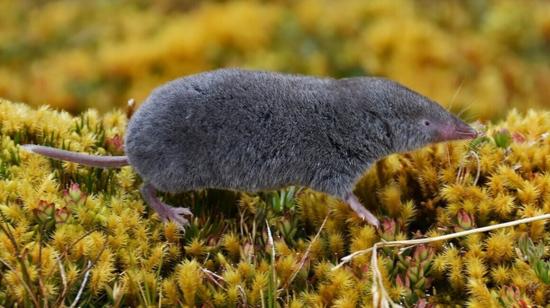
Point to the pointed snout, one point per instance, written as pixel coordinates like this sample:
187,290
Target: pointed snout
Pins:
457,131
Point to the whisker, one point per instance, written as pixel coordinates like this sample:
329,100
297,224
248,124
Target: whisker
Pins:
463,110
467,136
472,115
450,107
463,131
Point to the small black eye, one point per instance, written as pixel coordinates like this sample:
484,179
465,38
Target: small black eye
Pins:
426,122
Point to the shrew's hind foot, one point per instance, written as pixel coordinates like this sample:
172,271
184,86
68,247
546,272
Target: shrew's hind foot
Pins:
360,210
165,211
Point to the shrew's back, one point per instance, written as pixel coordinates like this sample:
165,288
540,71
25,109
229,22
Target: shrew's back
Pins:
233,129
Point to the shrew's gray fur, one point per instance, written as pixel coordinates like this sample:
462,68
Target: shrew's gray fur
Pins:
250,131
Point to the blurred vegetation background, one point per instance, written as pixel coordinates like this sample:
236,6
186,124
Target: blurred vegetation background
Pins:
84,236
482,56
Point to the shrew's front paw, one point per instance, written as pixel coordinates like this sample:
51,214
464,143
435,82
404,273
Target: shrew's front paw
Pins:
360,210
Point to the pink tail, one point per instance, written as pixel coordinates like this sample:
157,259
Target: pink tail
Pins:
79,158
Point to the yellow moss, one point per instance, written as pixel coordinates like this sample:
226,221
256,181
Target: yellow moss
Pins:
347,300
521,275
439,265
503,205
453,193
316,249
475,268
428,180
94,244
390,197
196,248
285,267
536,230
171,232
189,279
311,299
314,206
338,281
258,288
123,48
500,246
170,291
528,194
155,259
282,248
474,244
481,295
111,227
500,274
296,303
511,178
322,270
407,212
336,244
126,177
231,244
364,238
232,295
14,280
232,277
102,273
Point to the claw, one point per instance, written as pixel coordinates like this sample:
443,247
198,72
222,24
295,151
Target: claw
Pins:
182,211
165,211
361,211
174,214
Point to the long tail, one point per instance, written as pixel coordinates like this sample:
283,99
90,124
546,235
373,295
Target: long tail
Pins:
79,158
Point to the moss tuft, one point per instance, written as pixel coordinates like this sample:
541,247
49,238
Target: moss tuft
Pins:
64,228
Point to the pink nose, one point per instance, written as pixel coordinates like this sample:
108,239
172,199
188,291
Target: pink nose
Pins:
458,131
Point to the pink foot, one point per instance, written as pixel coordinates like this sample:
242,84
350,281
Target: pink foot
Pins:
360,210
165,211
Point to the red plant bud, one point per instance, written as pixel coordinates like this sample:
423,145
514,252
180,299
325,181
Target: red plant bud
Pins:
388,229
465,220
62,214
511,292
44,211
423,303
518,137
399,282
522,304
402,283
115,144
74,192
420,253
